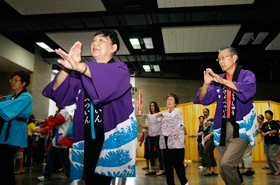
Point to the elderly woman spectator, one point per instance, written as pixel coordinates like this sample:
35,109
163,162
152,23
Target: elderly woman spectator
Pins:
104,125
14,112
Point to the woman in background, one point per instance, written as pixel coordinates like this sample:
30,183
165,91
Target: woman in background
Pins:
31,129
154,125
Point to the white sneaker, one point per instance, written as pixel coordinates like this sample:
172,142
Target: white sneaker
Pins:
200,167
187,183
42,178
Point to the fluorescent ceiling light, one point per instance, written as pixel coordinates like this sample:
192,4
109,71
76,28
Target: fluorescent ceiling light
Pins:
148,43
147,68
44,46
261,36
246,38
135,43
156,68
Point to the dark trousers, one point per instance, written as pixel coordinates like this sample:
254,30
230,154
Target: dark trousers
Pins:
154,142
41,150
208,155
64,153
7,154
97,179
173,158
28,151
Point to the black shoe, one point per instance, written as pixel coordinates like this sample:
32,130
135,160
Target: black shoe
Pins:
248,173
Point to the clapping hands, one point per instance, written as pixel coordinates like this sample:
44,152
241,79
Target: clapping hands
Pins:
71,60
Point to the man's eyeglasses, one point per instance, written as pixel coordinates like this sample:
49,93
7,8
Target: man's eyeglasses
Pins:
222,58
14,80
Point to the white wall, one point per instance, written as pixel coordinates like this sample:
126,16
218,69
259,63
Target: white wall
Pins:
16,54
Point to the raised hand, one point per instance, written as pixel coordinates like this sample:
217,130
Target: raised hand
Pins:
215,76
207,77
71,60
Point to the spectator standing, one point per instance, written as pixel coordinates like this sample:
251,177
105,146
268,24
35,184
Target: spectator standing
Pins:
271,139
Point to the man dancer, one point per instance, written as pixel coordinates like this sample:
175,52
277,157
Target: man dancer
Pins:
235,119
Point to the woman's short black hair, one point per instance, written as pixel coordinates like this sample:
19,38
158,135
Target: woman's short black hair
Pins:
25,77
269,112
113,36
201,117
176,98
156,107
206,109
30,119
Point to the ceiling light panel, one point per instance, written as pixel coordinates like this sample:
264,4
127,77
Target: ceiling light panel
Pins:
44,46
156,68
31,7
66,40
198,38
148,43
193,3
246,38
135,43
275,44
261,36
147,68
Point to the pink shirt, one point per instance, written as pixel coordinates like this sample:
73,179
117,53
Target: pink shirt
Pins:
154,124
172,126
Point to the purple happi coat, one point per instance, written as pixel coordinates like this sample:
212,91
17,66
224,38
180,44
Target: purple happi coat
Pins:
109,85
245,113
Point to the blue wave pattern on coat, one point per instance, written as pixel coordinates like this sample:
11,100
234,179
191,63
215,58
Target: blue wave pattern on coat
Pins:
119,151
247,129
217,137
77,163
122,137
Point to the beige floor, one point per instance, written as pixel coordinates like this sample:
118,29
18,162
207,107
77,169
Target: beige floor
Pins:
192,172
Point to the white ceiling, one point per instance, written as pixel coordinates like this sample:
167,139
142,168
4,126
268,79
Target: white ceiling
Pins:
31,7
176,39
198,39
67,39
193,3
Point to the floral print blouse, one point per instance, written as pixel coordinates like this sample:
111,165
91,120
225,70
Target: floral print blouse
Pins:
173,127
154,125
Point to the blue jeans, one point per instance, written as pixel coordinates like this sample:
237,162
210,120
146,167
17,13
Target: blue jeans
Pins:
154,142
201,149
64,154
